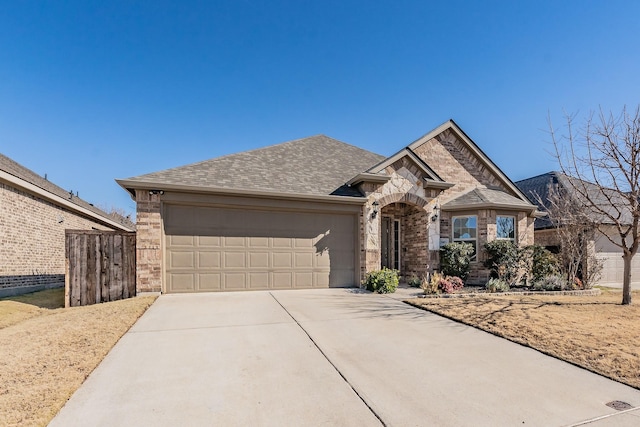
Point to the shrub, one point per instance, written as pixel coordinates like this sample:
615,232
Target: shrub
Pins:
430,284
496,285
455,259
502,260
414,281
550,283
450,284
544,263
383,281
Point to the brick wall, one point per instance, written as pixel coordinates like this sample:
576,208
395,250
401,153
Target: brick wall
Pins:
32,238
148,242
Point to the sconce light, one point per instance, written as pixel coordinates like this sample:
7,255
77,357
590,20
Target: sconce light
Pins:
434,215
160,192
375,209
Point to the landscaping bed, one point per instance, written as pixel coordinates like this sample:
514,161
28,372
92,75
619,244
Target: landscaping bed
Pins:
594,332
47,351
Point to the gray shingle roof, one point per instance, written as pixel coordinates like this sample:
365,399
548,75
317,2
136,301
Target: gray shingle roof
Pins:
16,169
486,197
540,185
317,165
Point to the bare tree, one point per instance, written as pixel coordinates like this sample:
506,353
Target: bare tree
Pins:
574,230
604,157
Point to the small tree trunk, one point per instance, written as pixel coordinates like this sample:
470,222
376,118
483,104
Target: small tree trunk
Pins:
626,279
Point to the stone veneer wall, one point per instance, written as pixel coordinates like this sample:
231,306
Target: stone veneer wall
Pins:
404,188
148,242
32,240
414,242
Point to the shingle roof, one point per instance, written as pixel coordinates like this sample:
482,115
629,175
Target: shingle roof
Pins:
17,170
482,196
539,185
317,165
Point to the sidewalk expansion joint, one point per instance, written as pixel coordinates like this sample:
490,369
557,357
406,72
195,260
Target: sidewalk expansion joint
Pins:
330,362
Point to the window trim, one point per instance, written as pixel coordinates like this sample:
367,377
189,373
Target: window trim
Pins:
473,241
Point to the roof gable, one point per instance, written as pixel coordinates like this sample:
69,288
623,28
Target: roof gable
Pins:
317,165
475,151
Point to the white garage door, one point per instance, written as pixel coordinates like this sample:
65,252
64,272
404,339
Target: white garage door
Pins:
222,249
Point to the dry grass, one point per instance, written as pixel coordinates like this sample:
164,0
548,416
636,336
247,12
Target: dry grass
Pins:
594,332
46,351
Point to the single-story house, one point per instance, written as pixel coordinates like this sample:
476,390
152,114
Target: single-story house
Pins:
34,213
609,254
317,212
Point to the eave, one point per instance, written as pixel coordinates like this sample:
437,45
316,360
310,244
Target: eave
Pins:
131,186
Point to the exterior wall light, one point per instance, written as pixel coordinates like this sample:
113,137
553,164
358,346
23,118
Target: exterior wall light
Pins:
375,209
160,192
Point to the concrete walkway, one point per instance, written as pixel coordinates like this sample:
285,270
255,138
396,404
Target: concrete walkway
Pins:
330,357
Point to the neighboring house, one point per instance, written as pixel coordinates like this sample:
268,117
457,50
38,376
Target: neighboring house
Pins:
34,214
317,212
607,252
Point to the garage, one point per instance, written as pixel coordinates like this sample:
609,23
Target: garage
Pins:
219,248
613,268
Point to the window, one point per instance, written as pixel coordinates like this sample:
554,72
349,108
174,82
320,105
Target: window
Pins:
465,229
506,228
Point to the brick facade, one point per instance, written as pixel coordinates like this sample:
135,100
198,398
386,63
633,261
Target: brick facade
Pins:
407,198
32,239
148,242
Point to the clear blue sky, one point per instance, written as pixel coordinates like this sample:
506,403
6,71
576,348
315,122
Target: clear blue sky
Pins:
91,91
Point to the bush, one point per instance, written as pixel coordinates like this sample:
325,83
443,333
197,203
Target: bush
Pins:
430,284
450,284
544,263
496,285
455,259
550,283
439,283
502,260
383,281
414,281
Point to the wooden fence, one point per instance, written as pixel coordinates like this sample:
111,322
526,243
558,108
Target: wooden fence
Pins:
100,266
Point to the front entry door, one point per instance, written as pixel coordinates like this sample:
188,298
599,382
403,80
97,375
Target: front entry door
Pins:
386,242
390,245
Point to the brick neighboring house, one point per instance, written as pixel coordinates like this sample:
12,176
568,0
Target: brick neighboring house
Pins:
34,214
609,254
317,212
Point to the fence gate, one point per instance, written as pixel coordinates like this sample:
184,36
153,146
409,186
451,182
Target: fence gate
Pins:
100,266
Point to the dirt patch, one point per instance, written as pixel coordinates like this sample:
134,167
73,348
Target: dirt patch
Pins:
46,354
595,332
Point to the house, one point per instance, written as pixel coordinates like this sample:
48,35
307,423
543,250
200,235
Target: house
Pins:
609,254
34,214
317,212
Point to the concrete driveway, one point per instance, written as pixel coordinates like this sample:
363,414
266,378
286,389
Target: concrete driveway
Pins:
329,357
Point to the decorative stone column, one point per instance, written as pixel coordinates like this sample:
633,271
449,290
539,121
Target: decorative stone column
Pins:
148,242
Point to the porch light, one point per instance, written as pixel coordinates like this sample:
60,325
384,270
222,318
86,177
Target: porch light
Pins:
375,205
434,215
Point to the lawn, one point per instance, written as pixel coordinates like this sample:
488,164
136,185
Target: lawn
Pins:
594,332
47,351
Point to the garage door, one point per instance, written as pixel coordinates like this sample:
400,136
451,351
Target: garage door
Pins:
613,268
222,249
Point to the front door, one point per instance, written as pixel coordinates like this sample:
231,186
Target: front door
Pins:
390,245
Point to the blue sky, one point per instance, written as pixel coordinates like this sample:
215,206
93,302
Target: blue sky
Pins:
93,91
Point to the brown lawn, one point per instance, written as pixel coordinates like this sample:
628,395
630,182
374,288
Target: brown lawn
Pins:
47,351
594,332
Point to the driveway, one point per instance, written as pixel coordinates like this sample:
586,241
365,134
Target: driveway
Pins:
329,357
